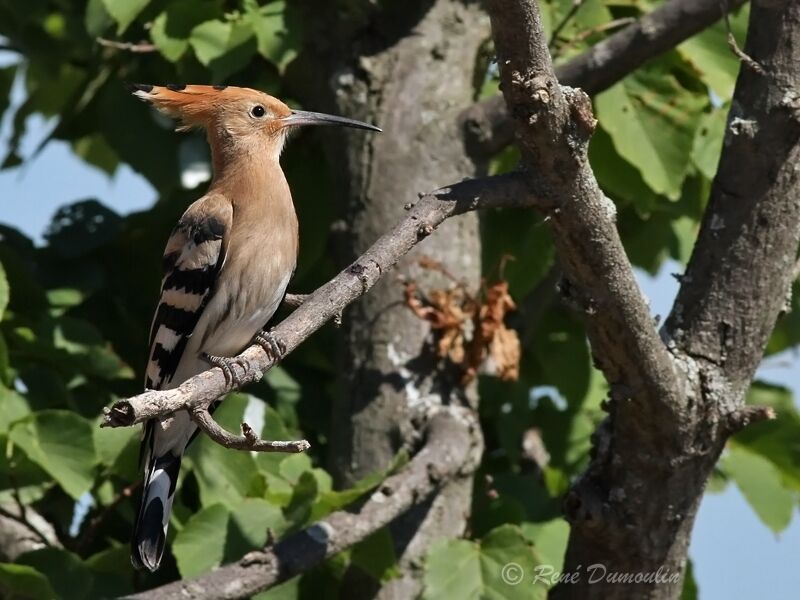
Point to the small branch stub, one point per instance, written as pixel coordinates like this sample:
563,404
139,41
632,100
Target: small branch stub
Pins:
247,441
748,415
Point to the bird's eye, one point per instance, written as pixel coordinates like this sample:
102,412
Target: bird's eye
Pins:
258,111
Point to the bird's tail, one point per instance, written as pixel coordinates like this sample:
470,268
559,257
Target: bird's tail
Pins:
150,535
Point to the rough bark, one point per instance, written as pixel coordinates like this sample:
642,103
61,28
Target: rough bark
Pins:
672,404
409,68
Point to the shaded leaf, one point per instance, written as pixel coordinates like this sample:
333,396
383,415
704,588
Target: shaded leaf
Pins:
223,47
375,555
225,476
111,570
68,576
499,567
61,443
278,40
550,540
249,525
652,121
124,11
172,28
200,545
708,52
689,591
22,581
707,145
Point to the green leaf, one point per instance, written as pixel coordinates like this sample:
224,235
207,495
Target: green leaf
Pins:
97,20
288,590
294,466
67,574
22,581
708,52
550,540
375,555
707,145
329,500
617,177
124,11
223,47
95,150
776,440
172,28
652,121
249,524
305,492
500,567
760,483
225,476
112,572
13,407
109,442
200,545
689,591
278,34
61,443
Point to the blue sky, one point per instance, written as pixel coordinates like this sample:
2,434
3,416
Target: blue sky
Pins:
735,555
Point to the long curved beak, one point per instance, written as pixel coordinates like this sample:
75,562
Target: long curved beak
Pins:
304,117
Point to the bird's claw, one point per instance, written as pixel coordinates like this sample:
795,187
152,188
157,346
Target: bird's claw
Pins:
273,346
226,364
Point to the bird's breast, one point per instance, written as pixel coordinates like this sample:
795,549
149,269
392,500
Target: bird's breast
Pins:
258,266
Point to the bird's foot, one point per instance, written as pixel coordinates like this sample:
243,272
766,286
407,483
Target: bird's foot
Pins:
226,364
274,347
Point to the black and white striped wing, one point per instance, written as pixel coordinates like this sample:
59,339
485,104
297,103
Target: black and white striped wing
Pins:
193,260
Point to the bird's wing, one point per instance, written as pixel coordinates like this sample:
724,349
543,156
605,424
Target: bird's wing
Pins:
193,260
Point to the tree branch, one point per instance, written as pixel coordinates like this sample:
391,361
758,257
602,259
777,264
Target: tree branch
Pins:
554,125
487,124
448,453
743,265
247,441
330,299
140,48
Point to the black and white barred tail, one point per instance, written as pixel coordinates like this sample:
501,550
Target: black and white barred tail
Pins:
150,534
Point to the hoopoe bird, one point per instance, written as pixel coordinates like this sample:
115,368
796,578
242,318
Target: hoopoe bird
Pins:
226,268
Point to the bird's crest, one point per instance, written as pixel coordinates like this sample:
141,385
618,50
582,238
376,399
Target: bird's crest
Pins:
192,105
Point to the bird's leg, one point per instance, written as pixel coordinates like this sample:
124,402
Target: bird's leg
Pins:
273,346
226,364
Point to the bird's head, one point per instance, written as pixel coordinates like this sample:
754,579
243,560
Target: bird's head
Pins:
234,116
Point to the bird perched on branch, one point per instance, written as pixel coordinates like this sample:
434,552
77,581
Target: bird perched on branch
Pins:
226,268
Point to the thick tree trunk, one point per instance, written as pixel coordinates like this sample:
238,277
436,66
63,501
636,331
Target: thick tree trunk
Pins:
734,289
409,69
